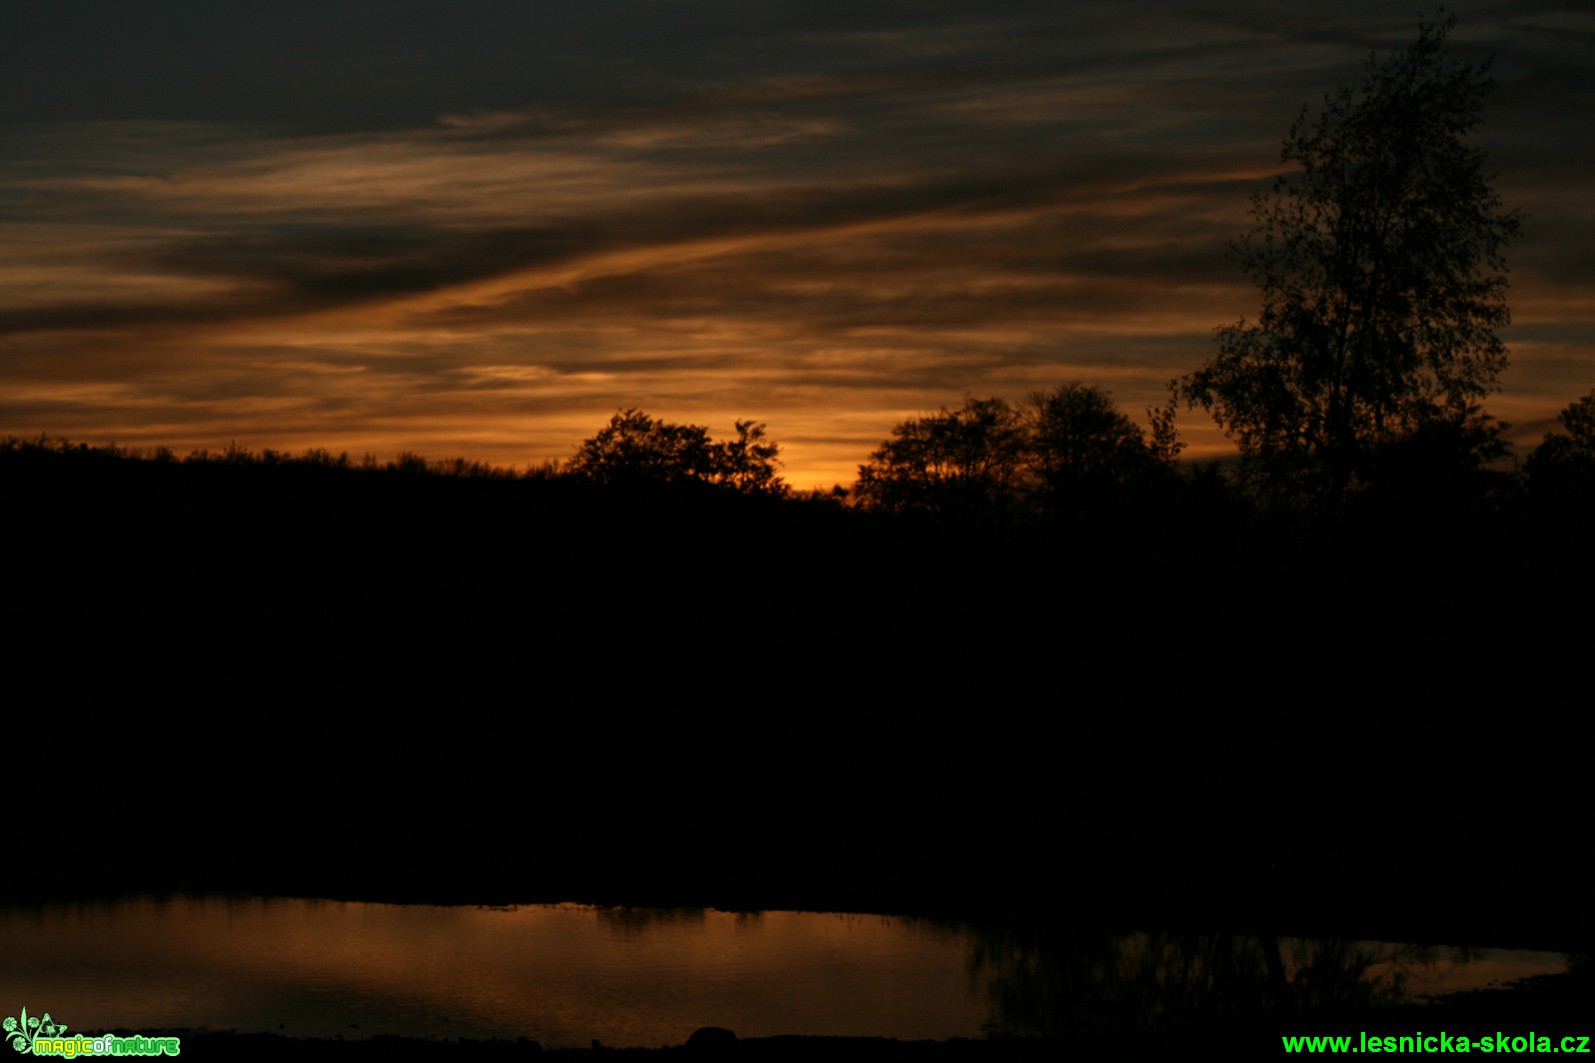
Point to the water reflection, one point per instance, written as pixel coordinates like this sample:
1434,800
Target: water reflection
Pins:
566,975
1113,985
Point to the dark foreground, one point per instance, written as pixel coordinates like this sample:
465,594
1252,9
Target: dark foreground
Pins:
443,689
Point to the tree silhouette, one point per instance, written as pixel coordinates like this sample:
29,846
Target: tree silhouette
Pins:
1080,442
965,462
747,463
1562,467
1381,269
1066,450
635,449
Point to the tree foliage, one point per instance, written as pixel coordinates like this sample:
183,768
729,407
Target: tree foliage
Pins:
1080,438
1563,465
1062,449
748,463
964,461
1380,260
635,449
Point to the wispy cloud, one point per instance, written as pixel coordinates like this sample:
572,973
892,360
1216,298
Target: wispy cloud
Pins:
480,231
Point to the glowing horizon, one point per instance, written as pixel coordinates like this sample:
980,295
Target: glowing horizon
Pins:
824,222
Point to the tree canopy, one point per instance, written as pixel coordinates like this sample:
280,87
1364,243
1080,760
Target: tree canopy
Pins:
635,449
1380,259
1563,465
966,460
1062,449
1080,438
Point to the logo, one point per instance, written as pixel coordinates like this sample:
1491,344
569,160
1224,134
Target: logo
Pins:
43,1036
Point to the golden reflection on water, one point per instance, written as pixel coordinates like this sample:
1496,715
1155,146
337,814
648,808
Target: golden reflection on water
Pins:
563,975
566,975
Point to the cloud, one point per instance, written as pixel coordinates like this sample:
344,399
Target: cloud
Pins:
400,223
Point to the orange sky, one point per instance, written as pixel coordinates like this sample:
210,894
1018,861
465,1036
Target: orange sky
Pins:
480,233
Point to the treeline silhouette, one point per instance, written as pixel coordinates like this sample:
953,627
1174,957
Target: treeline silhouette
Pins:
438,680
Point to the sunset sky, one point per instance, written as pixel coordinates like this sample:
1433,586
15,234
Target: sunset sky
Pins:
478,228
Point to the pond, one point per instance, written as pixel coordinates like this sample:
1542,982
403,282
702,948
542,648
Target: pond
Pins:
566,975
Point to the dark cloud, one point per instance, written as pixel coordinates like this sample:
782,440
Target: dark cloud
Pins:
361,215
